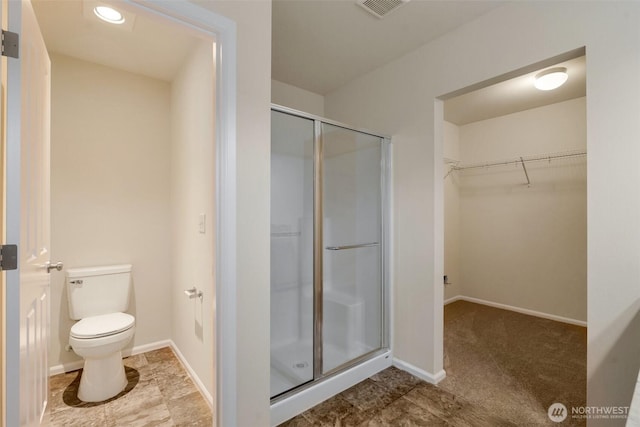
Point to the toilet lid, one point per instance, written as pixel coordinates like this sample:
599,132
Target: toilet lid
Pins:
103,325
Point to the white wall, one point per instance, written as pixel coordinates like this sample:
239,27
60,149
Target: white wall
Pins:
523,246
506,39
553,128
299,99
253,19
193,194
110,189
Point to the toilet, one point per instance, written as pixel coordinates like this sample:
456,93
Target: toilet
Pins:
98,298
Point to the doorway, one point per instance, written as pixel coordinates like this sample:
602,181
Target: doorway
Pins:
213,25
515,240
132,168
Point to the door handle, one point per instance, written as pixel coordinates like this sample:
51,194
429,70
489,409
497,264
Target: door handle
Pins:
342,248
57,266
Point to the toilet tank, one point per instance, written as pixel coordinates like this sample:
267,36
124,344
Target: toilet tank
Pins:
92,291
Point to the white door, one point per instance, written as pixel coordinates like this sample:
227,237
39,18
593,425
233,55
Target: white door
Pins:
27,220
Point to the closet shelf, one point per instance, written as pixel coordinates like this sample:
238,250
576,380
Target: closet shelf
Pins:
522,160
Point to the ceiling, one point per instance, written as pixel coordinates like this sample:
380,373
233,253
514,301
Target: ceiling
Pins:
146,47
516,94
317,45
320,45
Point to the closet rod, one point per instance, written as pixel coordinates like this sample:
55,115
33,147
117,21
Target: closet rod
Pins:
521,160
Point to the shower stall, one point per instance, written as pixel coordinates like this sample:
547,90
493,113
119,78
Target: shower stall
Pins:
329,234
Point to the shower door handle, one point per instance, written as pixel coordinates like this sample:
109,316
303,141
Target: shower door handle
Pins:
362,245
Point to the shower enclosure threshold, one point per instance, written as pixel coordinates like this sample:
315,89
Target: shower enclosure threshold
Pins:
315,393
292,366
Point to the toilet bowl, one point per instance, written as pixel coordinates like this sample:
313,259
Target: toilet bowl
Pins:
100,340
98,297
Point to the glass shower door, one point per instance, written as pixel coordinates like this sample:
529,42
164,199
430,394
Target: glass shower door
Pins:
292,183
352,289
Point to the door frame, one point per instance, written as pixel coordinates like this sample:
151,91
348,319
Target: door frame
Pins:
224,31
438,190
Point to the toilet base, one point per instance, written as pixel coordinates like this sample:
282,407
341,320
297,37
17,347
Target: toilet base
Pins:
102,378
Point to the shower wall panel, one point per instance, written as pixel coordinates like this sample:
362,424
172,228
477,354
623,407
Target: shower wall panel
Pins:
291,251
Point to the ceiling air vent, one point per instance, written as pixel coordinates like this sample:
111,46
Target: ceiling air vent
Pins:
381,8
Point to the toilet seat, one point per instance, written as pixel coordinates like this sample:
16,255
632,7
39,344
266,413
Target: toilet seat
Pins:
102,325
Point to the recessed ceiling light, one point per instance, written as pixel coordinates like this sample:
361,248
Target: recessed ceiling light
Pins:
108,14
551,79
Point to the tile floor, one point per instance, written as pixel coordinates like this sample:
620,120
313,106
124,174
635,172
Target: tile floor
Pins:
503,369
159,393
396,398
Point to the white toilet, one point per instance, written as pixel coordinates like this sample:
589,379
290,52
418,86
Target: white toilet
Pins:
98,298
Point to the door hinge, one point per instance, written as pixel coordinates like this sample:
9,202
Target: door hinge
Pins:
8,257
10,44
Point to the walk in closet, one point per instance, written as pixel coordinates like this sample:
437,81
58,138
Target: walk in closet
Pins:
515,211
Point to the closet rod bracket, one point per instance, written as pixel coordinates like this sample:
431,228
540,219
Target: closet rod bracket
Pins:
524,168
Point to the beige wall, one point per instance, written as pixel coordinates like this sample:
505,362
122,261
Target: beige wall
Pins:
522,246
506,39
299,99
253,19
192,194
110,139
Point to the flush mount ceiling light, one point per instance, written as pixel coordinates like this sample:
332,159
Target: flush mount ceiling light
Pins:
108,14
551,79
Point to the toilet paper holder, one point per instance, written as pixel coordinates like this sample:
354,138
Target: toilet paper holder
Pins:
193,293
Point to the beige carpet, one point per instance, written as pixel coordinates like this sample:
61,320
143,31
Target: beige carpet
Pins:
512,364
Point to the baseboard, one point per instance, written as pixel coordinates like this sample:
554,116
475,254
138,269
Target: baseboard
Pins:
65,367
146,347
420,373
77,364
453,299
199,384
517,310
